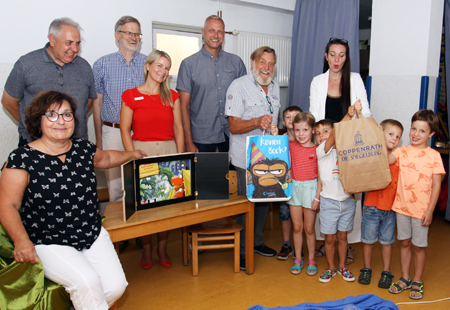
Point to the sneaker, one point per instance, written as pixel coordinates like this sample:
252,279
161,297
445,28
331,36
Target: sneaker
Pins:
242,263
364,277
327,275
285,252
264,250
346,274
386,280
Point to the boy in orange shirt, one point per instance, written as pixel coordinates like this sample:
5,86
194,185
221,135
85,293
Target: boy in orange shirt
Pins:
378,220
419,184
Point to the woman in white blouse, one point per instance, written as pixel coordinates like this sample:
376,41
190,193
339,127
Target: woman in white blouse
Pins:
331,94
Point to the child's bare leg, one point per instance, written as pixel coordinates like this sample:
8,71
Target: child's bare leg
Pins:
386,253
342,247
297,224
286,230
310,232
405,258
330,240
419,266
367,253
419,262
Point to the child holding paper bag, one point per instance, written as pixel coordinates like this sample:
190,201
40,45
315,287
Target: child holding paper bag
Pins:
337,206
378,221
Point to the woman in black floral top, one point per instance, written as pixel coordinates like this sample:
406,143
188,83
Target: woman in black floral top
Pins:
49,206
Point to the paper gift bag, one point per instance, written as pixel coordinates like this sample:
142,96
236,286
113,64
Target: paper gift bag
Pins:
362,155
268,168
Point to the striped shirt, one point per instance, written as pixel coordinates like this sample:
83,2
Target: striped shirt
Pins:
112,77
303,161
245,101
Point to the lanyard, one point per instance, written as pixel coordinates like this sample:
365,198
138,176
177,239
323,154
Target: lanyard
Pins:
266,98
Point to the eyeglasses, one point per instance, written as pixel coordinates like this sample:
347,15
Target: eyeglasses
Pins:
269,104
132,34
53,116
337,40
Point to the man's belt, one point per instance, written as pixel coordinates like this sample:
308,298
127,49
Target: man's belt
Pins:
111,124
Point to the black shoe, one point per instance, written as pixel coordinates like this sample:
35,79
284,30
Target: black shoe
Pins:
242,263
122,246
285,252
264,250
386,280
364,277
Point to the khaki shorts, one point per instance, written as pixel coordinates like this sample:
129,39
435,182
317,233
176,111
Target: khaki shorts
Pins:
411,228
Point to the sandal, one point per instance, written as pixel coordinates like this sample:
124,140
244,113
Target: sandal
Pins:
349,259
311,270
365,275
321,251
418,290
385,280
297,269
396,288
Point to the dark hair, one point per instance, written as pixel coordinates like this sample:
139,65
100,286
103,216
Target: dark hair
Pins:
40,105
427,116
391,122
346,71
292,109
325,122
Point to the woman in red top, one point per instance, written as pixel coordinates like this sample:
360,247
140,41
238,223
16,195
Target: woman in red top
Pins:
153,112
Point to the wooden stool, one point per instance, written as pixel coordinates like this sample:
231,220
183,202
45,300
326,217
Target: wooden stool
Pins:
217,230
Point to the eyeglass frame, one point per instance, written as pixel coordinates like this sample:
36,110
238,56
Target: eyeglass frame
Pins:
269,104
129,34
59,114
334,40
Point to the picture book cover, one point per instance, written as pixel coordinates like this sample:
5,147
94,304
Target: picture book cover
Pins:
164,180
268,168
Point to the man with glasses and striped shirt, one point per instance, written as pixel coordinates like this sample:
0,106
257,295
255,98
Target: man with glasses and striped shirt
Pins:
115,73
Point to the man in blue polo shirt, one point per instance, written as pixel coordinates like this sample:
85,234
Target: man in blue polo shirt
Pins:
58,67
202,83
114,74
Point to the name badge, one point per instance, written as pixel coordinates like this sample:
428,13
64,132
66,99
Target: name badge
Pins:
138,98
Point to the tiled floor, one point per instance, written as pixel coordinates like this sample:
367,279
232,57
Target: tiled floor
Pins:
272,285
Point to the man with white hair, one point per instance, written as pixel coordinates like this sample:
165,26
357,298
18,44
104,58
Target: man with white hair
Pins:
58,67
253,103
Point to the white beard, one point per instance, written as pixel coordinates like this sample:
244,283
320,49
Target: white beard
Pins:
260,80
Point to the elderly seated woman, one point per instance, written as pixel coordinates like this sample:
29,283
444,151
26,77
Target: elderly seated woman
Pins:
48,204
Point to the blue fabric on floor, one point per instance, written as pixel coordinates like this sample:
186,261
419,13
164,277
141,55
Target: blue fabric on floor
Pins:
361,302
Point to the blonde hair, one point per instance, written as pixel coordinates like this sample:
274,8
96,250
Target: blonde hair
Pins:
166,96
257,54
306,117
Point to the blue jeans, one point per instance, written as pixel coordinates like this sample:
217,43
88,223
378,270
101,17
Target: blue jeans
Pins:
223,147
261,209
285,214
377,225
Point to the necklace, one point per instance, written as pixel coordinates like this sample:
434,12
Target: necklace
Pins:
336,79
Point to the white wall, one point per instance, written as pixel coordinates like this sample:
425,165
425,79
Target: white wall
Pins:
403,37
405,45
24,27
